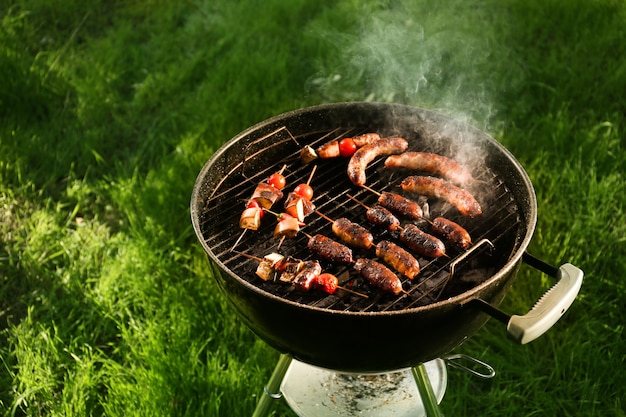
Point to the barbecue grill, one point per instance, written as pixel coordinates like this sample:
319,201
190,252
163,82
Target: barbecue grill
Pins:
440,308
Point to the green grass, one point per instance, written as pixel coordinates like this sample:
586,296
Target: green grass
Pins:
108,110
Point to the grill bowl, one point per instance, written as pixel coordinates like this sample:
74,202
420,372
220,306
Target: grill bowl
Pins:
374,338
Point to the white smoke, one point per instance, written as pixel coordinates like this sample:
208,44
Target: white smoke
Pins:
440,55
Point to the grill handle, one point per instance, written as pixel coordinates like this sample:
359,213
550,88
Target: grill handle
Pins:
548,309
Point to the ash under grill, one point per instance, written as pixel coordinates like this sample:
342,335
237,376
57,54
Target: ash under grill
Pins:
494,233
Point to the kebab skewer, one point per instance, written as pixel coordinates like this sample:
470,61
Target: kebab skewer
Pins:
303,275
345,147
398,204
449,230
398,258
298,205
417,240
264,196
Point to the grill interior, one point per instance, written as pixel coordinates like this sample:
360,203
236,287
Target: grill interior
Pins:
219,218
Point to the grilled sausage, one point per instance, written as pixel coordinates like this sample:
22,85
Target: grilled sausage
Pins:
380,216
330,250
365,139
366,154
421,242
399,259
378,275
309,272
464,202
400,205
352,233
329,150
432,163
452,231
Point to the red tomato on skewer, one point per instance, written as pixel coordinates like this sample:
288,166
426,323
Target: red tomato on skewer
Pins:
347,147
304,191
277,181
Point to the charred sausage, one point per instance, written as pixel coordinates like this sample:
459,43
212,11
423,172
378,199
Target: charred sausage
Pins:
380,216
452,231
399,259
421,242
432,163
330,250
353,234
464,202
400,205
378,275
366,154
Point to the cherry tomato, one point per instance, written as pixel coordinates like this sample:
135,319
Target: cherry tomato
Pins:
304,191
255,204
347,147
277,181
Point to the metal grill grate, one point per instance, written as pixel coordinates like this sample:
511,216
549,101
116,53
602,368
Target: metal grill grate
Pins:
494,233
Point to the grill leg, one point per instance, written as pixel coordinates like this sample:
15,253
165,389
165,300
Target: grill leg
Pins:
271,391
426,391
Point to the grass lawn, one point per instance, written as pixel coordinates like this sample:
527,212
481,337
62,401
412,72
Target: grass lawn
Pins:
109,109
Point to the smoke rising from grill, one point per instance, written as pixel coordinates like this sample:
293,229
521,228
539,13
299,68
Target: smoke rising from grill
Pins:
437,55
441,56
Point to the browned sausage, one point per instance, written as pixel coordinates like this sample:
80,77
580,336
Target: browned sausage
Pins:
353,234
330,250
452,231
432,163
421,242
365,139
366,154
380,216
399,259
400,205
305,279
378,275
438,188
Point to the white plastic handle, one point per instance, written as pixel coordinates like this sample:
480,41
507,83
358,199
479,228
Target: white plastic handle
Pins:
550,307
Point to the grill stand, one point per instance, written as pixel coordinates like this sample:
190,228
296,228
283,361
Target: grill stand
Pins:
271,391
310,390
425,388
